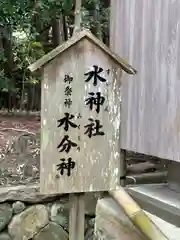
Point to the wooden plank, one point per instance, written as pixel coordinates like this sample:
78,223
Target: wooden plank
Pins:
147,34
97,160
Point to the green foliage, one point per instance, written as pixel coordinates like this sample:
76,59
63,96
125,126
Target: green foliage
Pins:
4,81
67,5
26,35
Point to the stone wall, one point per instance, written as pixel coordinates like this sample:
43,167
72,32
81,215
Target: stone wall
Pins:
25,214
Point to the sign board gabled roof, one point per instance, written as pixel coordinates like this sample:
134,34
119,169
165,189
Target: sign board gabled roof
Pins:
72,41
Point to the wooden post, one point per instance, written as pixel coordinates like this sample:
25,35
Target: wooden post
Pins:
76,216
122,167
76,201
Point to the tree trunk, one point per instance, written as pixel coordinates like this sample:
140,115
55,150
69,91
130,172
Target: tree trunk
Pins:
7,45
37,97
65,28
1,38
9,63
77,22
98,29
38,28
58,33
106,3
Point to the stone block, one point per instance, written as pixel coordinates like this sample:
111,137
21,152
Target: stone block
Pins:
28,223
111,223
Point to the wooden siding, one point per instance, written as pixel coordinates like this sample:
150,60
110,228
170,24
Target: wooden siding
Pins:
147,34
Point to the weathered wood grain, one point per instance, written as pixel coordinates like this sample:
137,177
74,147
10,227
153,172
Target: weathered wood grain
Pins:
97,162
76,216
147,34
73,40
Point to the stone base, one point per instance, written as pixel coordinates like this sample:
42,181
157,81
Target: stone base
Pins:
111,223
25,214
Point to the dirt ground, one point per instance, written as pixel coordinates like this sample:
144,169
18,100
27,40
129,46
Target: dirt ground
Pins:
12,126
19,149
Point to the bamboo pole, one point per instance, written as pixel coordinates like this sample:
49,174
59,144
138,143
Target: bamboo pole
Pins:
137,215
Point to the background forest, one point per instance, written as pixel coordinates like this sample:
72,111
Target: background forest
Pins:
31,28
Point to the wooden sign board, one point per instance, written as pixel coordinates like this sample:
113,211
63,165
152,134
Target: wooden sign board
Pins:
80,119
